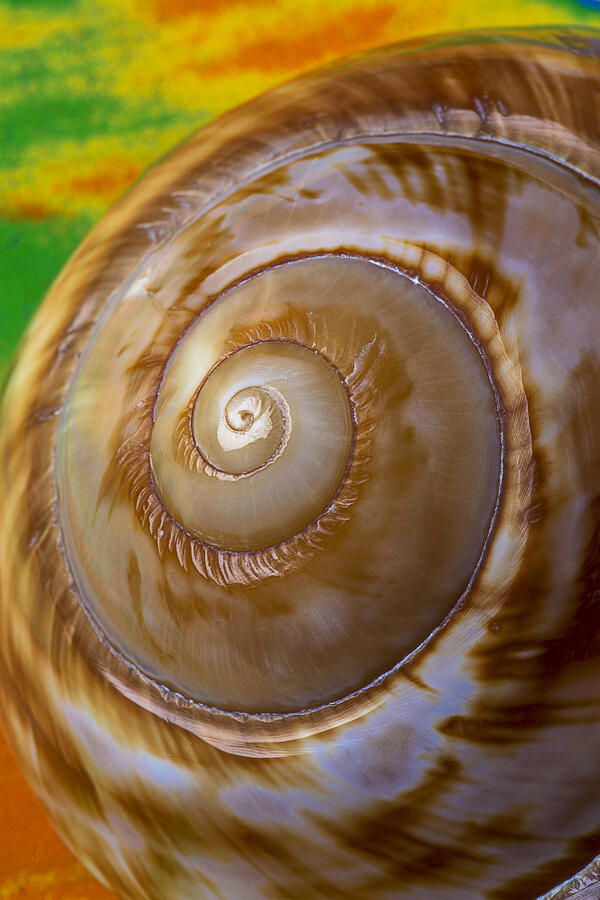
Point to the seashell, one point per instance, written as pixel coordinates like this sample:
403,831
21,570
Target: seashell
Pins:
300,468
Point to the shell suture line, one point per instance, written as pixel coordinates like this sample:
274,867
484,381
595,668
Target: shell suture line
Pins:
215,564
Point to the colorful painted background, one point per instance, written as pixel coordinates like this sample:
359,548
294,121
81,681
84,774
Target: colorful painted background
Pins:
91,93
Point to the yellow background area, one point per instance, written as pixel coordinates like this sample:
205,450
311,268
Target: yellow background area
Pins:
91,93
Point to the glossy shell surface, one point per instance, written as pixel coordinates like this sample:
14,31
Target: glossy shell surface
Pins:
300,479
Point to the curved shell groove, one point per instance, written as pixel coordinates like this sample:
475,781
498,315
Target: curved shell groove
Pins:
300,478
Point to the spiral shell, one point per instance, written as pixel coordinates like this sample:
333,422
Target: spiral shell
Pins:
300,468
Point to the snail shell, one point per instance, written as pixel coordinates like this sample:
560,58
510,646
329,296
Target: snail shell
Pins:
300,467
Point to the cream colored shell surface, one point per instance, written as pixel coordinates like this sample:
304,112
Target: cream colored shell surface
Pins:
300,479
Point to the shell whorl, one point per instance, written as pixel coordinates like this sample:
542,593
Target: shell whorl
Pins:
245,416
308,439
338,386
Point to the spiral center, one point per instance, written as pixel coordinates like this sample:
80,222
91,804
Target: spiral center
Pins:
273,426
255,414
243,434
250,406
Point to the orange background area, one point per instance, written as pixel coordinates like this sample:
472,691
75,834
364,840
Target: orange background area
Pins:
92,92
34,862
